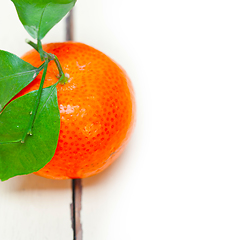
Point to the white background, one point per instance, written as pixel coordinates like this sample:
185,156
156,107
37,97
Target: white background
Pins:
179,177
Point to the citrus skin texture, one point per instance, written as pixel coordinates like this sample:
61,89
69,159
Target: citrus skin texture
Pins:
97,109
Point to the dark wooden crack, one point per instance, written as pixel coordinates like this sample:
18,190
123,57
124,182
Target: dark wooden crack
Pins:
76,183
69,27
77,199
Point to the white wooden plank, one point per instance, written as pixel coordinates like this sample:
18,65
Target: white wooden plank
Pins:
31,207
179,178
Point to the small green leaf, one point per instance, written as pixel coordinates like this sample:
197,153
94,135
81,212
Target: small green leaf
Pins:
39,16
18,158
15,74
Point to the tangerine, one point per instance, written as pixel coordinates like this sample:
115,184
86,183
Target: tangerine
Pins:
97,109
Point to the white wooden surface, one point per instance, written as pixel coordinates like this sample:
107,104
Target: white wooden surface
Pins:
179,177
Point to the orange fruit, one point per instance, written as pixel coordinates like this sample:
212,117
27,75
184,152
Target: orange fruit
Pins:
97,109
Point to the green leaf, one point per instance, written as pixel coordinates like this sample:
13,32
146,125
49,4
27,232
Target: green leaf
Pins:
15,74
39,16
18,158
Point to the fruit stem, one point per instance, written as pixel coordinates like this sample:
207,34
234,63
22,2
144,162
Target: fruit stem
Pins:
33,113
54,57
63,77
40,50
41,67
44,56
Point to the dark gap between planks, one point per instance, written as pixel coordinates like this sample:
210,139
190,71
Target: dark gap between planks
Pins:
76,183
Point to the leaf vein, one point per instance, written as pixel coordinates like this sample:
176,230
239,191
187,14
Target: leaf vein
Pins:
41,18
50,94
19,74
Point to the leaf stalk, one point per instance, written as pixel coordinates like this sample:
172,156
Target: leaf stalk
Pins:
44,56
34,111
